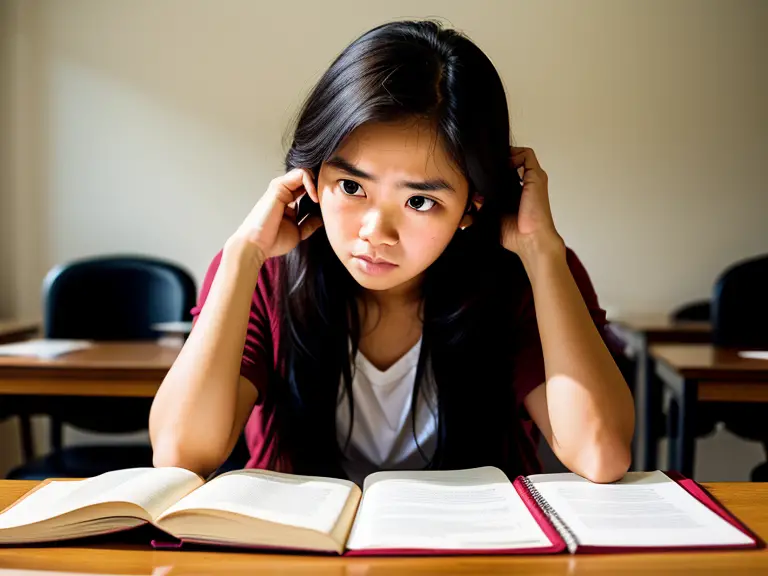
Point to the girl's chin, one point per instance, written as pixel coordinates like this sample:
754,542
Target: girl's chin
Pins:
374,282
378,282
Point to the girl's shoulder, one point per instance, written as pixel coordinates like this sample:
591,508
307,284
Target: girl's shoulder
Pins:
260,350
265,295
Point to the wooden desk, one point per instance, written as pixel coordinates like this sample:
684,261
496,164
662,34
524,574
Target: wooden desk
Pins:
108,369
638,333
703,373
749,502
15,330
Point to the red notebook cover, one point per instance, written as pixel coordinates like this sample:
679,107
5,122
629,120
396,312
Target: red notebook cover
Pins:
558,544
698,492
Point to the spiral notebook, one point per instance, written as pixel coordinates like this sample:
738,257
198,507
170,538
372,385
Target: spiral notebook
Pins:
474,511
645,511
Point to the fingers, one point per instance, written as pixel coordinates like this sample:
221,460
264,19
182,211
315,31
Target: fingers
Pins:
293,185
290,188
525,158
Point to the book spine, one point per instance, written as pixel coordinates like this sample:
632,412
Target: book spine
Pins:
565,532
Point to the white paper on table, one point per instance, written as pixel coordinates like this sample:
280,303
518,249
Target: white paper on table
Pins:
42,348
754,354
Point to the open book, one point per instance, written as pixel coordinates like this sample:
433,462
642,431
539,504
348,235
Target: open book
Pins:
477,511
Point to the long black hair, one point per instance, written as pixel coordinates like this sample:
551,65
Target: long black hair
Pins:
397,71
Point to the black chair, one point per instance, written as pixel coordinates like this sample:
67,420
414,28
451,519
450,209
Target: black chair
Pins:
740,320
105,298
698,311
739,315
740,305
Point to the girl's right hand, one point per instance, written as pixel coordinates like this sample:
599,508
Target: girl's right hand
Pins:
271,226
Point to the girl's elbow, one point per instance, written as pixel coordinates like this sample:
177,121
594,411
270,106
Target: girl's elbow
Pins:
605,464
170,453
167,453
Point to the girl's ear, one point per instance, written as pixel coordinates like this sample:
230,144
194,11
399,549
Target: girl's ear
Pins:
314,196
473,208
308,204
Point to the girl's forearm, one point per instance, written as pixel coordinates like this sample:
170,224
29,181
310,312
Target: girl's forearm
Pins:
589,404
193,412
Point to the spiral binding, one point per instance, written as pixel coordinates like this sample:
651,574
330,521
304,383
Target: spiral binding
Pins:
565,532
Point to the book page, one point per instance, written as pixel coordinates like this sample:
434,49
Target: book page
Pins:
153,489
644,509
304,501
42,348
461,509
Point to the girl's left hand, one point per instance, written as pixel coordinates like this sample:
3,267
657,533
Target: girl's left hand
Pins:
533,228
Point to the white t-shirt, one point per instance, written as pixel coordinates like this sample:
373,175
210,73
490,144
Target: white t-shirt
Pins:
382,436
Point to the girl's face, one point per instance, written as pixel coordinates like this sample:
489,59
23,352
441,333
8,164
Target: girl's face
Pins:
391,201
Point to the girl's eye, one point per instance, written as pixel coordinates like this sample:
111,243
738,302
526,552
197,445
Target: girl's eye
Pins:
421,203
350,188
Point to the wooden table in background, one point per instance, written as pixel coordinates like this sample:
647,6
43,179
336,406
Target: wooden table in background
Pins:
639,333
15,330
107,369
703,373
749,502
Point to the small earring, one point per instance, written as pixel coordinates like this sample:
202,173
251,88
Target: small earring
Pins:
463,227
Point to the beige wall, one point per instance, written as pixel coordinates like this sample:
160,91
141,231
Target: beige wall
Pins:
7,41
153,126
160,123
23,159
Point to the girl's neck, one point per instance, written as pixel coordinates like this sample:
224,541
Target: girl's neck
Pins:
390,323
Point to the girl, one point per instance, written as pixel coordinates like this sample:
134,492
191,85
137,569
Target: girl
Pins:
399,298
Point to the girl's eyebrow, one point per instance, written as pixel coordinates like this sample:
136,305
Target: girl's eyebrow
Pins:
437,185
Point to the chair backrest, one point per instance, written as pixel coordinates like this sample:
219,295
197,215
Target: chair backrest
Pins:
115,298
699,311
111,298
740,305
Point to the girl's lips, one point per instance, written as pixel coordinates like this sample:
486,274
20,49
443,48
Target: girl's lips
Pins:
373,267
